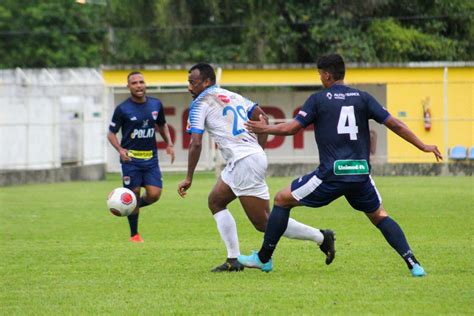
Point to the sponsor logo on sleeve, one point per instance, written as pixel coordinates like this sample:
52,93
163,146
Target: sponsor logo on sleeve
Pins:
154,114
112,124
224,98
302,113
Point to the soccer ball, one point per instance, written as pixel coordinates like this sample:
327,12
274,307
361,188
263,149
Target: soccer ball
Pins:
121,202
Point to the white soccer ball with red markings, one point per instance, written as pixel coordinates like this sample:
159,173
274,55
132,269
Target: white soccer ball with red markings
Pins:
121,202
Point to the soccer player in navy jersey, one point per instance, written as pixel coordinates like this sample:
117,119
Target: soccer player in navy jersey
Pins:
139,117
340,115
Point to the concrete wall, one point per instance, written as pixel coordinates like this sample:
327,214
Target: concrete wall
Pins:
72,173
49,118
464,168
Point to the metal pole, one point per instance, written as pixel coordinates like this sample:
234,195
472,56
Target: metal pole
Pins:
21,79
218,76
446,114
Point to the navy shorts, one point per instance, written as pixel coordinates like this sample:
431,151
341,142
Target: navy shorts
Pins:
139,175
311,191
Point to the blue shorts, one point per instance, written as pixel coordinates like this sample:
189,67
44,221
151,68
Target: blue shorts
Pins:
138,175
311,191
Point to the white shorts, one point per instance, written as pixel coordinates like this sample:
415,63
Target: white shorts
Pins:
246,177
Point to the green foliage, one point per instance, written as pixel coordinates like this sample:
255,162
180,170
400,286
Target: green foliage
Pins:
63,33
394,43
63,253
50,34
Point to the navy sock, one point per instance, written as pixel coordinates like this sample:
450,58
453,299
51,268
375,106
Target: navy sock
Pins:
277,224
133,222
143,202
396,238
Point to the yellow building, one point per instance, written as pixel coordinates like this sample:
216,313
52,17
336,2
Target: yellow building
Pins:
444,90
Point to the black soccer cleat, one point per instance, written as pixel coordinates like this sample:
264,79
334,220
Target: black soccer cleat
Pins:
328,245
230,265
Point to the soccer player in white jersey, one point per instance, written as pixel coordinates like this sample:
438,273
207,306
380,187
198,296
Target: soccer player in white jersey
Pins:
223,114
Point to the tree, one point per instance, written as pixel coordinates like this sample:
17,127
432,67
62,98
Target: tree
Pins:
60,33
51,34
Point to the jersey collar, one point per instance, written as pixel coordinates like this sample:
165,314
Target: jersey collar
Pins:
203,94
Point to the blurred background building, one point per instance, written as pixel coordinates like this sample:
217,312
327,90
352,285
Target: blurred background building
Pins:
63,68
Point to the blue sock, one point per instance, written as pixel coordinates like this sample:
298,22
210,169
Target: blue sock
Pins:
396,238
133,222
277,224
143,202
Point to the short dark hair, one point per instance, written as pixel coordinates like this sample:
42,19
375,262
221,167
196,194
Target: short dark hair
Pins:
206,72
334,64
132,74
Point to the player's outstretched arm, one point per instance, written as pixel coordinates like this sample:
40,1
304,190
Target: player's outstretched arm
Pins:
194,152
284,129
399,128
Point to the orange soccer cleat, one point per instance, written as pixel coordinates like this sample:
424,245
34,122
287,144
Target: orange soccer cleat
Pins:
136,238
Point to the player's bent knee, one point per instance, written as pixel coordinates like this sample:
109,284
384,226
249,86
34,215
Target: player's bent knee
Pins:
281,199
377,216
152,198
214,205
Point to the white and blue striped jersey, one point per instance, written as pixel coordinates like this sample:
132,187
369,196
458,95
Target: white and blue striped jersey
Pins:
223,114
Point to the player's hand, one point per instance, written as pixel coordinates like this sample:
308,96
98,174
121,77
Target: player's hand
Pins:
124,155
170,152
257,127
183,187
433,149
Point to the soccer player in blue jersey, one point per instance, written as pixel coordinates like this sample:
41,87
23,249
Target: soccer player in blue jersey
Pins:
139,117
222,114
340,115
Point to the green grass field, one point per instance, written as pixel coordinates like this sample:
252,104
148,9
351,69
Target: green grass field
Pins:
62,252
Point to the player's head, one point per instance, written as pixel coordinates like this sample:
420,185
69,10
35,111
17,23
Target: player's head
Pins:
136,85
331,68
200,77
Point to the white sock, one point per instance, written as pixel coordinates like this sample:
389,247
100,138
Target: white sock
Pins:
228,231
297,230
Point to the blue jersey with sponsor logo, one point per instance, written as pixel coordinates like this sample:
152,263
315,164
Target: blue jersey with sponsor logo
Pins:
137,121
341,115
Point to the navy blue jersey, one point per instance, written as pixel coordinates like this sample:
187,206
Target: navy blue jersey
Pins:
137,121
341,115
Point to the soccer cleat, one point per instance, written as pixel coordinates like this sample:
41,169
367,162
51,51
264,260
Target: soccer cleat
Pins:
136,238
328,245
230,265
417,271
253,261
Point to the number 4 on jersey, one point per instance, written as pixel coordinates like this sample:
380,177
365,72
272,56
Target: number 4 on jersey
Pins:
347,116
